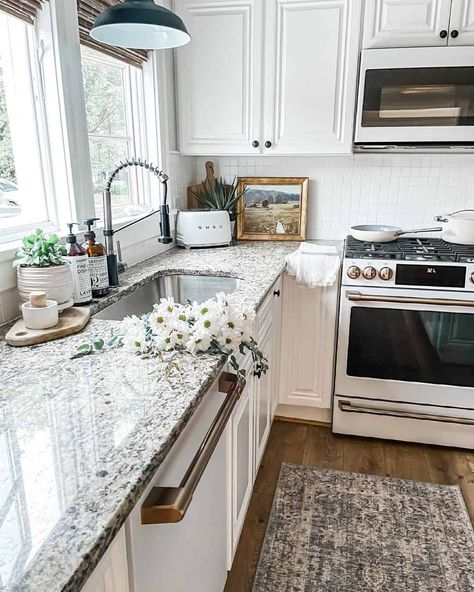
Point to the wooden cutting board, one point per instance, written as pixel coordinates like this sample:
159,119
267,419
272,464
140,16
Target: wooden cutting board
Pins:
192,202
71,321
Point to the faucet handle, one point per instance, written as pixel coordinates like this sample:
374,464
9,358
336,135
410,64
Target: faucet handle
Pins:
121,266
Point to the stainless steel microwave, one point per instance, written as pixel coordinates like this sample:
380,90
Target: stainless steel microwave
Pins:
416,97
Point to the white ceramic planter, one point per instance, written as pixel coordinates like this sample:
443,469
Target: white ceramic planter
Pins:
56,281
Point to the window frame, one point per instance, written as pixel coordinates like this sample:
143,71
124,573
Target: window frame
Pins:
66,145
23,42
135,133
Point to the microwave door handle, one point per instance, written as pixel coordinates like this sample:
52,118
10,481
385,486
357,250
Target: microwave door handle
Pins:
358,297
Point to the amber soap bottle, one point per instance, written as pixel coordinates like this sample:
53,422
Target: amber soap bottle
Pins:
97,261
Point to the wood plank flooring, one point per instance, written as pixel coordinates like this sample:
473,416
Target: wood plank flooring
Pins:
316,446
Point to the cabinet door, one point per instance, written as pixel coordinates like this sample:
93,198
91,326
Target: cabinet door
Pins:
111,575
406,23
310,75
461,30
276,328
308,344
219,87
263,388
242,462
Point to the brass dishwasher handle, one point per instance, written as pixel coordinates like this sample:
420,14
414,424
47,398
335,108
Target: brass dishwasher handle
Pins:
358,297
348,407
165,505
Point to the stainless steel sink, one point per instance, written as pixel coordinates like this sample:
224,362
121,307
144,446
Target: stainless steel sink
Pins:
181,287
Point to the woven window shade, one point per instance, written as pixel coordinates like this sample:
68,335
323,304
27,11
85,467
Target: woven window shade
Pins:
24,9
88,11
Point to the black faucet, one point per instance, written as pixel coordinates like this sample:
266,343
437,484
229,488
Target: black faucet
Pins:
163,211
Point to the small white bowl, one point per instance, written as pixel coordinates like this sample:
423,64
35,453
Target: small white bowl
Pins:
40,318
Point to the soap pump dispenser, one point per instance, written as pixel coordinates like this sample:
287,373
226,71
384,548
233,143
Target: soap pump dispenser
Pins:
97,261
78,262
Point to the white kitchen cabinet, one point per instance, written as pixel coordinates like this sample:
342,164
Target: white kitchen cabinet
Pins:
277,294
418,23
462,22
241,472
263,391
111,574
308,344
252,418
311,62
301,102
218,75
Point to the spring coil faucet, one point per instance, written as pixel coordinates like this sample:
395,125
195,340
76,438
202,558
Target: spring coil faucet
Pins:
109,232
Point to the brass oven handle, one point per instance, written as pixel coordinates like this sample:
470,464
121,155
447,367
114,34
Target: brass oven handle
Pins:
348,407
169,504
358,297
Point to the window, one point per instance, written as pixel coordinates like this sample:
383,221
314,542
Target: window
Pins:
23,145
114,107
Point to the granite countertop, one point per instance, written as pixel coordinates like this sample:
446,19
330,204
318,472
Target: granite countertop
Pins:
81,439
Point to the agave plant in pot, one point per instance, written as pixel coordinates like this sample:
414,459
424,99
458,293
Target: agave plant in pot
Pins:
40,266
218,195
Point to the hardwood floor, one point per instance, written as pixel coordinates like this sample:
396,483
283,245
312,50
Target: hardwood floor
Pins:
316,446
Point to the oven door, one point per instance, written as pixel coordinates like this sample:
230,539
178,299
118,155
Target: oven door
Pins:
416,95
410,346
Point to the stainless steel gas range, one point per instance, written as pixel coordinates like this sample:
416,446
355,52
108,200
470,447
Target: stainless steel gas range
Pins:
405,351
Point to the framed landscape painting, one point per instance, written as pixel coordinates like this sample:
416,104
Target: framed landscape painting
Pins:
272,208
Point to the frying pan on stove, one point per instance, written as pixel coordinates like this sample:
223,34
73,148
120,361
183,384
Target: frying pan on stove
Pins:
381,233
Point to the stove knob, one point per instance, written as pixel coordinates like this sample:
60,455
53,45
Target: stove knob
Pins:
353,272
472,277
369,273
385,274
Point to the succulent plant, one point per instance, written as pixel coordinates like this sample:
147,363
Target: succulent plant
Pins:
219,195
40,250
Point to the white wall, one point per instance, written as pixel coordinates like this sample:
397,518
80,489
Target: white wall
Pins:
405,190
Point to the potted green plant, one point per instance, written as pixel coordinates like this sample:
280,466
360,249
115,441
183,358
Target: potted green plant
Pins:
218,195
40,267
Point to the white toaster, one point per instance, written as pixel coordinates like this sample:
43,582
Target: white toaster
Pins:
203,228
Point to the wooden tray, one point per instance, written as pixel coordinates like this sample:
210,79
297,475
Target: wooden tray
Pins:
71,321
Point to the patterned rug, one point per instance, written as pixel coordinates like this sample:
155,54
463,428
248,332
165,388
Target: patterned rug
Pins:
334,531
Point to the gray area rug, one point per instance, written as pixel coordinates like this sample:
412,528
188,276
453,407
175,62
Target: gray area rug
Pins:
334,531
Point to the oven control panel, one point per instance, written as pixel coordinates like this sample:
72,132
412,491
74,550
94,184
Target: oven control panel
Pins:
408,274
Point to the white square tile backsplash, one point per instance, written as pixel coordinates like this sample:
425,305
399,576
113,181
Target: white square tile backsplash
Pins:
406,190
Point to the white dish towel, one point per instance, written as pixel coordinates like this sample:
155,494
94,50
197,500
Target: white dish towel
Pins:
314,265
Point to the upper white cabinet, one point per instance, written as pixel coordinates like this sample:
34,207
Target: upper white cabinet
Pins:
300,102
461,30
310,75
219,77
413,23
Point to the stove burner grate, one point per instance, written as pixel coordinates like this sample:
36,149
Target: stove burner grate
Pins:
412,249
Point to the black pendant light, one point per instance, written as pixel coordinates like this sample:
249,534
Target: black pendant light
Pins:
140,24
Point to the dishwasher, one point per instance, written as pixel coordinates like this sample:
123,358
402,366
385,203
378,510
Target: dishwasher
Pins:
189,554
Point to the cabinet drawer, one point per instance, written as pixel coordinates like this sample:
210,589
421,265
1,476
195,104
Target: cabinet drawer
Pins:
265,314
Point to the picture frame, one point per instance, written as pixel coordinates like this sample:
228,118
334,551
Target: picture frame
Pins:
272,208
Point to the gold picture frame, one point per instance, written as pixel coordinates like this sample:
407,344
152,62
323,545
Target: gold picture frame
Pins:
272,208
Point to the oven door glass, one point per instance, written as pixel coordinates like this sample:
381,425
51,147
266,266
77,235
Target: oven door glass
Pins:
411,345
401,97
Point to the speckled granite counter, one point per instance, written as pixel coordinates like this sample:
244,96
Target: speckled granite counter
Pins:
81,439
